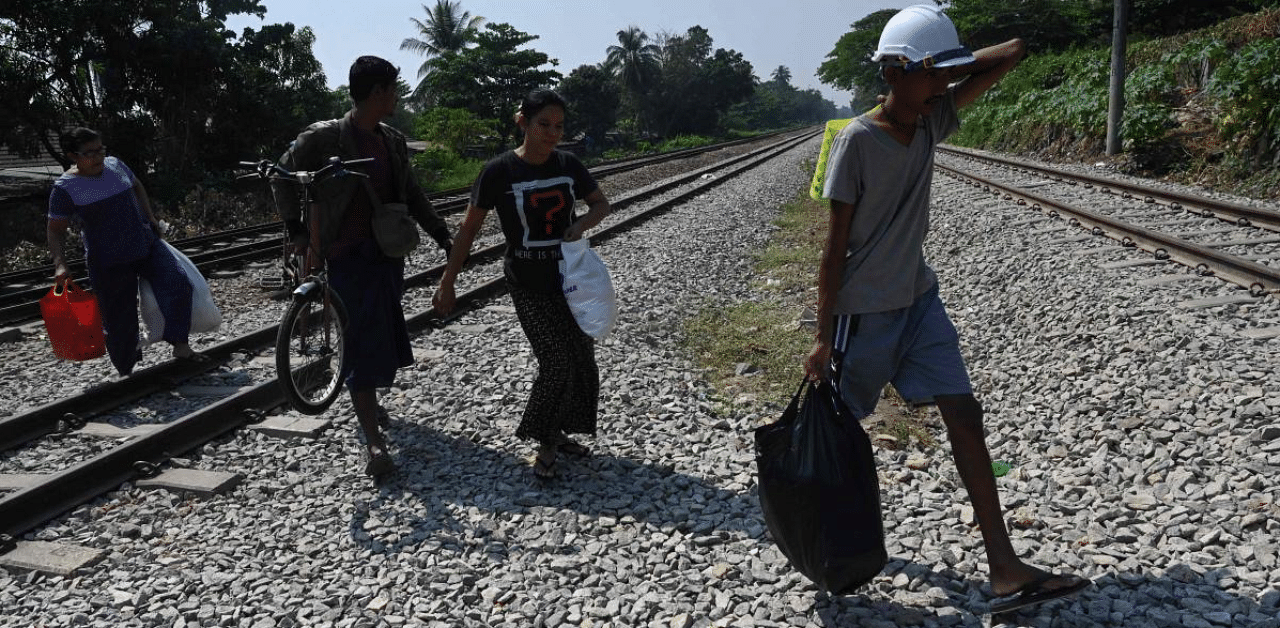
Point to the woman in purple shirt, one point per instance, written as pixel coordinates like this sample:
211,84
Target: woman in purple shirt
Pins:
122,243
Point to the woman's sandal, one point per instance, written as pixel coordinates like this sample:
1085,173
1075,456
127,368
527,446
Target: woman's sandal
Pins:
544,468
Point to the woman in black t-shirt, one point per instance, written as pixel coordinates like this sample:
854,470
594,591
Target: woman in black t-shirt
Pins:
534,189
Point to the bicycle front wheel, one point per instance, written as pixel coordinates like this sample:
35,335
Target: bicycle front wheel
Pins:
310,350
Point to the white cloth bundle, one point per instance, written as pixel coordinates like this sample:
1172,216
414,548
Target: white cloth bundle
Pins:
205,315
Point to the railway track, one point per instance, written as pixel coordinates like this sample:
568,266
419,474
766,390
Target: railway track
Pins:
1237,243
37,497
20,290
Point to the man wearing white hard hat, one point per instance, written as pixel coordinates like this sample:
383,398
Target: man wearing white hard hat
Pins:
880,317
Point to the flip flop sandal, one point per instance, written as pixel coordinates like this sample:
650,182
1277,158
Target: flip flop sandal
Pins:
1034,593
380,462
544,469
194,358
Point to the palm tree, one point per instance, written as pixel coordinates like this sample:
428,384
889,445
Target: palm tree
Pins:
782,75
635,62
447,29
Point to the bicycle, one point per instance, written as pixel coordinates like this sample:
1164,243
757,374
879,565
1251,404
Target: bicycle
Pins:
310,345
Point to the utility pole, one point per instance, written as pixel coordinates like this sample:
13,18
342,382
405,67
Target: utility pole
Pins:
1115,105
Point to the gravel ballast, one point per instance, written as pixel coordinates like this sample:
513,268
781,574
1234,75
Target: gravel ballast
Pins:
1143,438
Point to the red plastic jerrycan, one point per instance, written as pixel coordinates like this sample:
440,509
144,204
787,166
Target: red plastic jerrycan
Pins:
74,323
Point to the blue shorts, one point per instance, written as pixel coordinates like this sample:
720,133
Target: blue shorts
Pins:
915,348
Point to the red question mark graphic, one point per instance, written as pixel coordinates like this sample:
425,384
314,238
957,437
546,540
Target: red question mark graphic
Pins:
555,196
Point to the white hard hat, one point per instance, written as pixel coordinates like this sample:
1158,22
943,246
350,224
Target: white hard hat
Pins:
921,36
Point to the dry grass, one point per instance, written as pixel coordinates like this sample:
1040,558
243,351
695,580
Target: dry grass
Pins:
754,352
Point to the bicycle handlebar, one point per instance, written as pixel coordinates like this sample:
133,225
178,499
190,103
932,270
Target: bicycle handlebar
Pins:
336,166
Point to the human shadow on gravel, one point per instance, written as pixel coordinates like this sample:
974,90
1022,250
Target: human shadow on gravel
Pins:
445,474
1182,598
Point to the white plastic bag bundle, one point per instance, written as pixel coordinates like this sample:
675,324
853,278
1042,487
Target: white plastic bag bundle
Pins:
587,288
204,312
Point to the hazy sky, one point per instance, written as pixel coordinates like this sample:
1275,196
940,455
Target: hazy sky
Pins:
768,33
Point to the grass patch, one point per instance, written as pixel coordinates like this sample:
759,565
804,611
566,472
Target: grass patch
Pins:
749,350
754,352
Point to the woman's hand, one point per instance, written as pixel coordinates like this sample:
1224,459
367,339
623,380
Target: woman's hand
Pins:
574,232
444,299
61,275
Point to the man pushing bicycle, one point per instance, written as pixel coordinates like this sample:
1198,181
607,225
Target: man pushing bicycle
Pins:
363,227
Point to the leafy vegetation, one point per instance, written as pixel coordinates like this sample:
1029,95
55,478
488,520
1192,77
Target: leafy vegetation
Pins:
177,96
1204,105
1201,94
442,169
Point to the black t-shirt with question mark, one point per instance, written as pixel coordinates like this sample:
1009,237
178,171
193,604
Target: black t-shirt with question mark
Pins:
535,205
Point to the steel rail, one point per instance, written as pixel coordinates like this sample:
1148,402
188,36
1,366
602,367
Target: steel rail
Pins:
21,304
1256,278
1242,215
30,507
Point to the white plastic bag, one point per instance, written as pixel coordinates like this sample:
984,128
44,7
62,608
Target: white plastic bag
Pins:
204,312
587,288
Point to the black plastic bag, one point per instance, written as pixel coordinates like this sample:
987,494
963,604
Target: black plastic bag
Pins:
819,491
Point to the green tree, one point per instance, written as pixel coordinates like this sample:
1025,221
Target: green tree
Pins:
272,87
635,62
490,78
593,98
1158,18
849,67
447,28
777,104
697,86
781,75
177,95
339,102
1044,24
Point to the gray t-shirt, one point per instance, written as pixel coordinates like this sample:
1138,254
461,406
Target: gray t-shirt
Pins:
888,185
